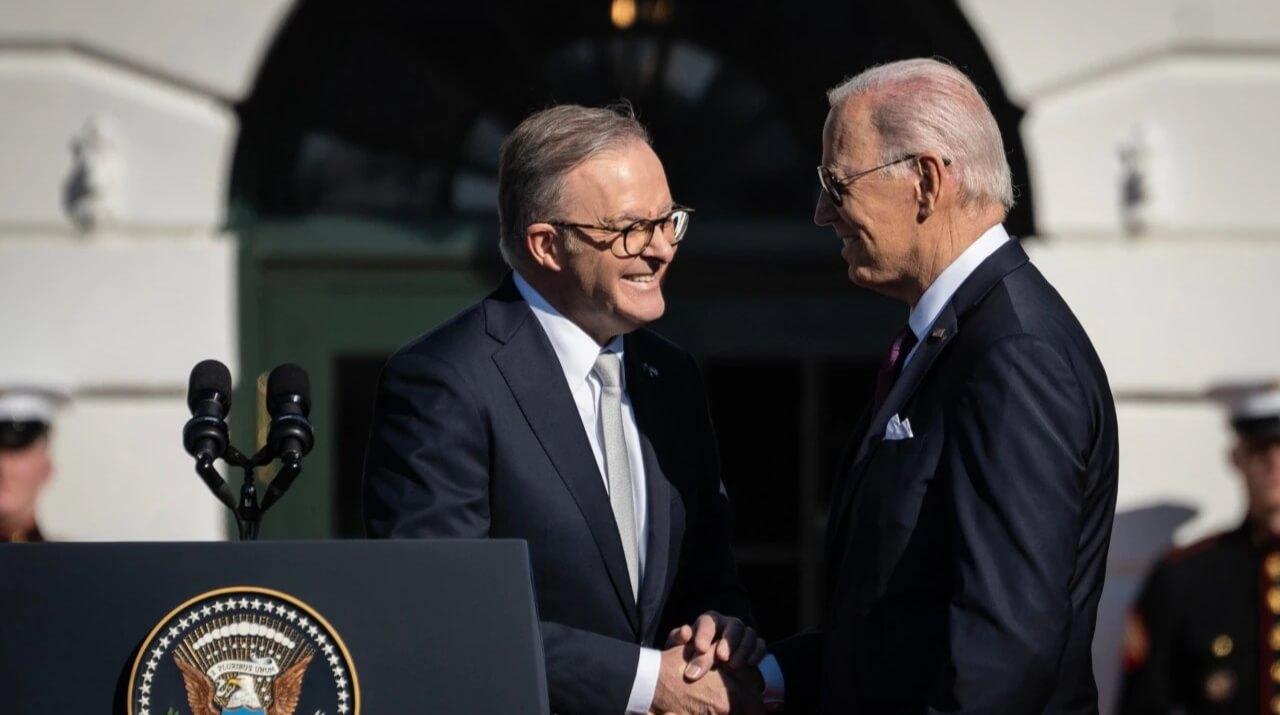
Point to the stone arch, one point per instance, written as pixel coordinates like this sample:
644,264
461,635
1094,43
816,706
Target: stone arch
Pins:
396,110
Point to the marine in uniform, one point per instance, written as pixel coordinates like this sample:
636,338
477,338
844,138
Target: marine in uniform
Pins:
1204,636
26,416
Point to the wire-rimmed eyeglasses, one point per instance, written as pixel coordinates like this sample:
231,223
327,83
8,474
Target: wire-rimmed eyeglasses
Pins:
837,188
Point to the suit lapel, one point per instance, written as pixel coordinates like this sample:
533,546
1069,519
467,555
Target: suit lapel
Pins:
870,484
528,364
986,276
945,328
644,389
913,374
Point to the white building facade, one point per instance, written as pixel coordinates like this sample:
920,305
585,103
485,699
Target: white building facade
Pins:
1148,134
116,275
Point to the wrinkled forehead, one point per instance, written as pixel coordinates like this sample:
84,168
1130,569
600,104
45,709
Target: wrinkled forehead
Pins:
622,182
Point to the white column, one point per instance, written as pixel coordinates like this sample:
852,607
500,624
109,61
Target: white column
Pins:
116,273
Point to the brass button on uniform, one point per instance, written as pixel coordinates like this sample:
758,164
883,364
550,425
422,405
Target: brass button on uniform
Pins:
1275,704
1272,565
1275,672
1222,646
1275,638
1273,599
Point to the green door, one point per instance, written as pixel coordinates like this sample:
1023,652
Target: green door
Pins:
337,296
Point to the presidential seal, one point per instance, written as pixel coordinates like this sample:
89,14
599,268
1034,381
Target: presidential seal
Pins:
243,651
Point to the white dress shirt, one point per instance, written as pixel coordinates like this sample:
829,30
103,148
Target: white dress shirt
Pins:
577,353
925,312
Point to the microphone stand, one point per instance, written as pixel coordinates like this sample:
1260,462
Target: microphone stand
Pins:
248,511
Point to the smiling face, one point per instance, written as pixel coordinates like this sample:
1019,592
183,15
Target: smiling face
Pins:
593,284
875,221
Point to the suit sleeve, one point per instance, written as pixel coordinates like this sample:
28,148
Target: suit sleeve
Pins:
709,581
426,472
1148,651
1020,434
427,477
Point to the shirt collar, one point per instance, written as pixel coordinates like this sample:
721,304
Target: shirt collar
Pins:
576,350
949,281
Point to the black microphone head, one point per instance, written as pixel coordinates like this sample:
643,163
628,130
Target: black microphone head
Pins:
288,383
209,376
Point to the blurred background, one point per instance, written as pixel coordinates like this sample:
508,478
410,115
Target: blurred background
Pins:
262,181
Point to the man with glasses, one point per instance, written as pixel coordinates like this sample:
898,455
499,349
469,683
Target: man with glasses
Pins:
26,414
548,413
969,525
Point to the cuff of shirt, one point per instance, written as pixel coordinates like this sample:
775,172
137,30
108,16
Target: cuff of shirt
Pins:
774,687
646,681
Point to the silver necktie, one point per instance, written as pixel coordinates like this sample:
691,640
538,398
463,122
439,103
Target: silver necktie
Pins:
608,369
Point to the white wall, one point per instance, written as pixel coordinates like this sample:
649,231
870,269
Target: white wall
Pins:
1205,121
1040,48
171,147
120,116
122,475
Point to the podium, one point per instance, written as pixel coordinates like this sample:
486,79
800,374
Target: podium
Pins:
336,627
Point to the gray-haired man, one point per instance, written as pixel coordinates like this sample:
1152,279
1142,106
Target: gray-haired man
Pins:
968,532
547,413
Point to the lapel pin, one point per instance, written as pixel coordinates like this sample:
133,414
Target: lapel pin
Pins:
649,370
938,333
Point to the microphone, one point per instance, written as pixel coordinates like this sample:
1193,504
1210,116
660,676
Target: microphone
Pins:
290,436
205,434
289,403
209,398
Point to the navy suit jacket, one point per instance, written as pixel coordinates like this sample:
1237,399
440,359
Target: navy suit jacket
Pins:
476,434
966,562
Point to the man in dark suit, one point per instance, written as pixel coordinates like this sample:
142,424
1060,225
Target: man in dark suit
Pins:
547,413
969,527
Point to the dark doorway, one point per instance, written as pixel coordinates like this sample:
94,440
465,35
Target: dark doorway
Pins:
395,108
784,425
355,382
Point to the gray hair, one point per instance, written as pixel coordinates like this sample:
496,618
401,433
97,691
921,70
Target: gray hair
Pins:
539,153
923,104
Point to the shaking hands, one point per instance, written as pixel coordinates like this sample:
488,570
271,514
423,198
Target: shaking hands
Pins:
710,667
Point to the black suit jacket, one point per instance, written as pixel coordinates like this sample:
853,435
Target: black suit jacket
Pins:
476,434
967,561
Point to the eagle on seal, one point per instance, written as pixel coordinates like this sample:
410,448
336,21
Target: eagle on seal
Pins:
238,695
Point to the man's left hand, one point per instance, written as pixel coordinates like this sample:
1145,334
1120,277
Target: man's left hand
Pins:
717,638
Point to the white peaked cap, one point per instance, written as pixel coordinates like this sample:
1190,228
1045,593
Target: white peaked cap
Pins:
30,403
1253,407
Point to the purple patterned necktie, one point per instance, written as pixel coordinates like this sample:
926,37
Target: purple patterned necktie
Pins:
891,366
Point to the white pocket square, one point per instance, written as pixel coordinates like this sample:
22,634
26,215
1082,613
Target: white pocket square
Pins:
897,429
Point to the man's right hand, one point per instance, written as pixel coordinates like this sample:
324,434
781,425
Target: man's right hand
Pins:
715,693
